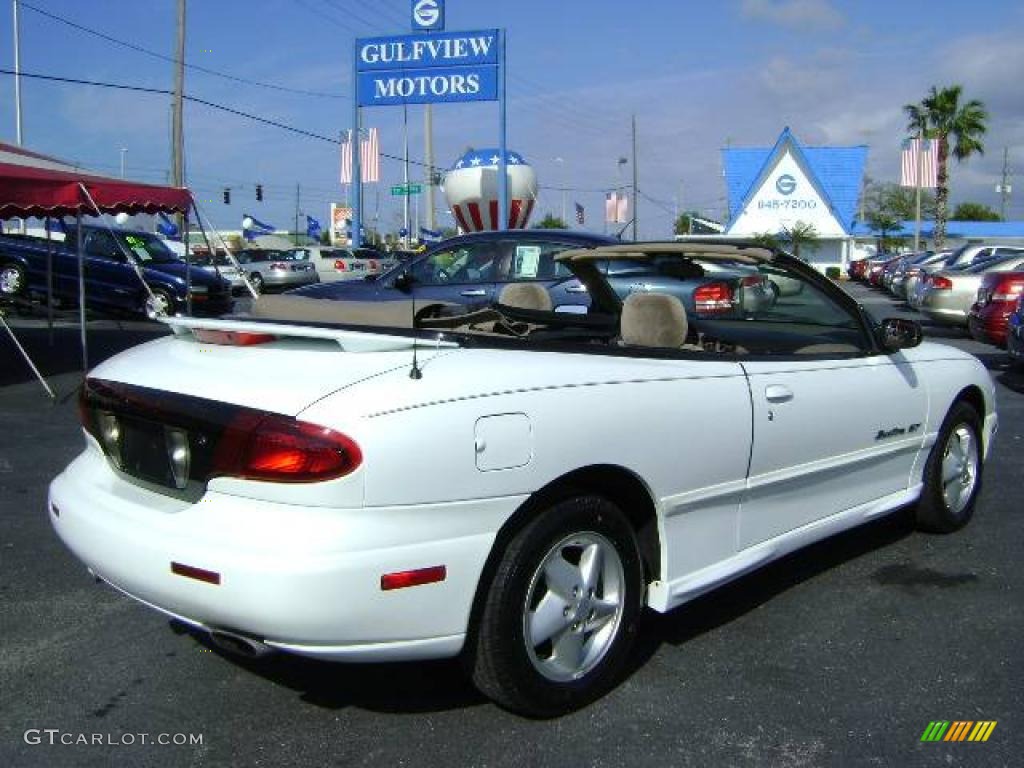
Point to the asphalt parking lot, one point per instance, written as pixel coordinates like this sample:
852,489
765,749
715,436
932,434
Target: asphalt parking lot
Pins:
838,655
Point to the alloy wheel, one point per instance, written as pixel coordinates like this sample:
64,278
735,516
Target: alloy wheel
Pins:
574,606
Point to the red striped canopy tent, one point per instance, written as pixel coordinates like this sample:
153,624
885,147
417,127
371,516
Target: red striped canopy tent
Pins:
37,185
32,184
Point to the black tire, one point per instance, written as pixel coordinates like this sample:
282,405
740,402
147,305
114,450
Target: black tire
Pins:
935,512
505,666
257,282
12,280
161,299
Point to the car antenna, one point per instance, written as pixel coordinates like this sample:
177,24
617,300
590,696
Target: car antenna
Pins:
415,372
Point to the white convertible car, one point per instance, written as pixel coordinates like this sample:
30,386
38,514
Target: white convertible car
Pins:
387,481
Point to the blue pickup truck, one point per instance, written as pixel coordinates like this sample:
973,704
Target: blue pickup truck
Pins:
110,280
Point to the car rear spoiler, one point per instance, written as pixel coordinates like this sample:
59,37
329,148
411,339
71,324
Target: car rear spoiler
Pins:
349,339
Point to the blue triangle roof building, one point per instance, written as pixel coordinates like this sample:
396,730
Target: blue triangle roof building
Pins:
836,172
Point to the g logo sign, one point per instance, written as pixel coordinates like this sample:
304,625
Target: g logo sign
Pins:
427,14
785,184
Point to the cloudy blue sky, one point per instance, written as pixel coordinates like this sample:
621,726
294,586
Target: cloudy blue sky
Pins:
698,77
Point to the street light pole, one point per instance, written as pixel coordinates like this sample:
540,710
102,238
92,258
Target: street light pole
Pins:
17,74
561,180
124,151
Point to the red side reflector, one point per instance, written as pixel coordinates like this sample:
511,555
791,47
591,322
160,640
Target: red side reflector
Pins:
199,574
231,338
415,578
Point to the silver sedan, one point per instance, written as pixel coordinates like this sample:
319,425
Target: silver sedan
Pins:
949,294
275,270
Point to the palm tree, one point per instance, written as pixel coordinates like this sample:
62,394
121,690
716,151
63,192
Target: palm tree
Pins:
940,116
799,235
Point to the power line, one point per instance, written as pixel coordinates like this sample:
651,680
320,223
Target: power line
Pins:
204,102
162,57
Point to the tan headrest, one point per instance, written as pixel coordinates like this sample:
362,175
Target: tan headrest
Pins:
526,296
653,320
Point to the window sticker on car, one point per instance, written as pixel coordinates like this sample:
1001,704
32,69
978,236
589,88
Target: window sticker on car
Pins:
138,246
527,260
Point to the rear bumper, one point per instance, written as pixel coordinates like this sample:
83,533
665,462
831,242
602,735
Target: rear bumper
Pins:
284,283
302,579
990,324
944,315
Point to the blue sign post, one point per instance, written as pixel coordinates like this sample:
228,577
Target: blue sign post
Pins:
428,69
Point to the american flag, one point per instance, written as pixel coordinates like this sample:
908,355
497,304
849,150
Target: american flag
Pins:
579,213
369,156
616,206
928,157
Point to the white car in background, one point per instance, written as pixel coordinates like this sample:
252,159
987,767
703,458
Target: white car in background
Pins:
341,263
515,484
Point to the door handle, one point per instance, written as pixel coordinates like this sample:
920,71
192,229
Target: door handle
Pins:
475,292
576,289
777,393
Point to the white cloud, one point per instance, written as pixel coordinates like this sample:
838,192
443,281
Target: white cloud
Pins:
810,14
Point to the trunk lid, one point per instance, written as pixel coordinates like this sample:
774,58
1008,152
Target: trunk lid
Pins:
302,365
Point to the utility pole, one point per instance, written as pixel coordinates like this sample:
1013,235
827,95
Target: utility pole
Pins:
428,138
298,195
636,206
177,127
1005,188
124,152
405,174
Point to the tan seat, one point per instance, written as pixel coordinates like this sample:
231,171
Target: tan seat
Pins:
653,320
526,296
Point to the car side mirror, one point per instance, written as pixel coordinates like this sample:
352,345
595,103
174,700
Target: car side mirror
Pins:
404,282
898,333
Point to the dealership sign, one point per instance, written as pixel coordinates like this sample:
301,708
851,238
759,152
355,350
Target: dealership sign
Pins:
785,196
427,69
427,15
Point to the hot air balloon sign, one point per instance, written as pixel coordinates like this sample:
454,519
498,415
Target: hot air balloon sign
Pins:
471,188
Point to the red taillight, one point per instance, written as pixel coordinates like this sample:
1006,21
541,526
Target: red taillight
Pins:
340,265
268,446
940,283
403,579
751,281
1008,289
713,297
231,338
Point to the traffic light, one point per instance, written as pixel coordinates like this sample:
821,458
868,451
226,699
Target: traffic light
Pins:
259,193
227,196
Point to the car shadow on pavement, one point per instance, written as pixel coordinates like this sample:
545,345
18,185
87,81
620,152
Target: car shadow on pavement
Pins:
442,685
395,688
731,601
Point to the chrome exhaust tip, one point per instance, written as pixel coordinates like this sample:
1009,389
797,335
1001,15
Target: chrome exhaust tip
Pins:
239,645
